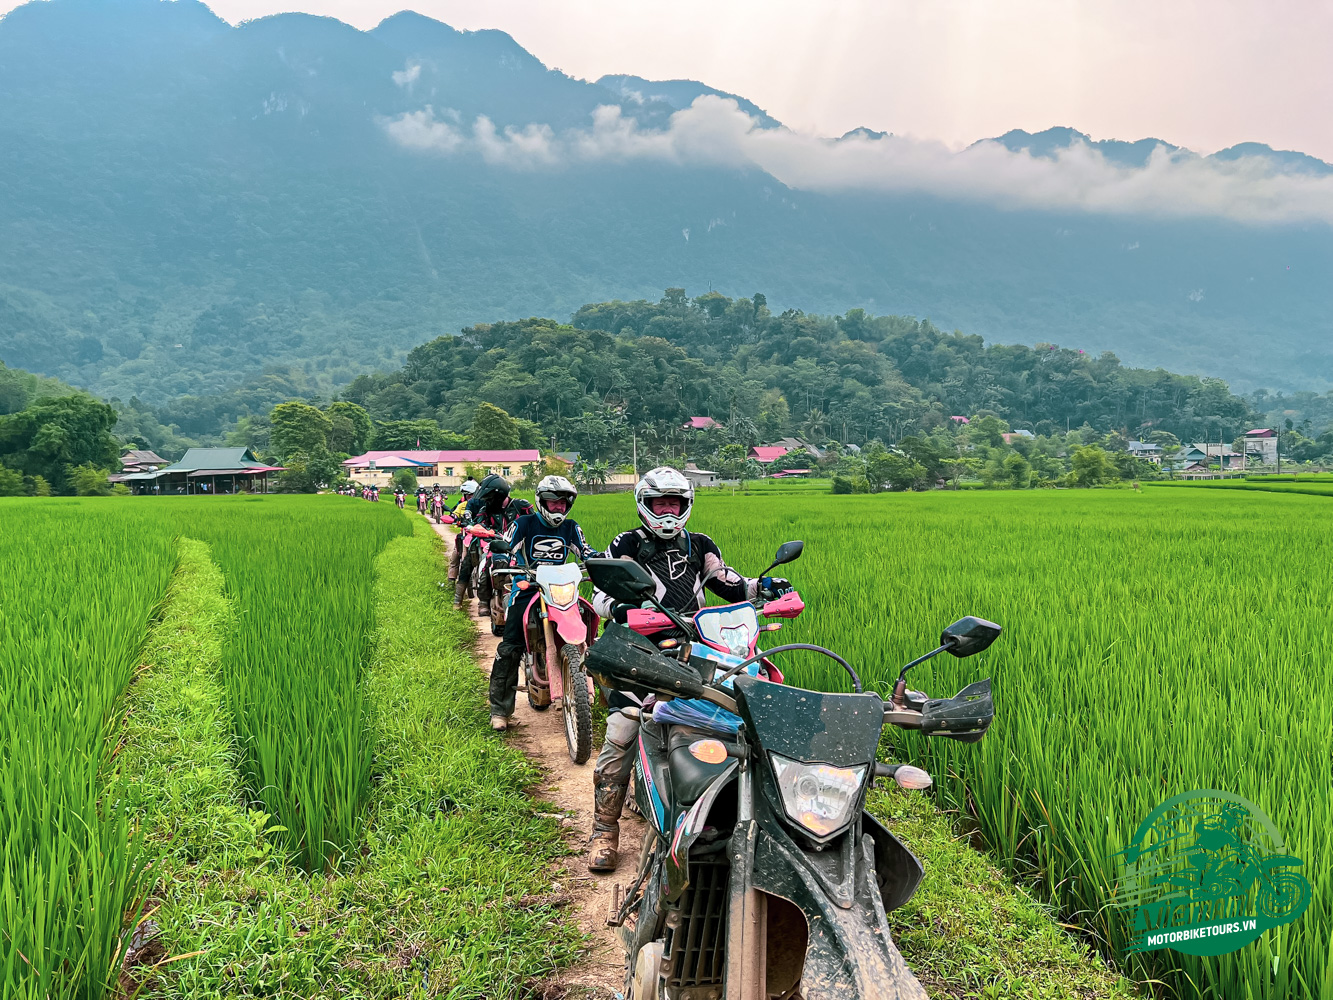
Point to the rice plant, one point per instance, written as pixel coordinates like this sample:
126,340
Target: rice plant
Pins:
1155,643
78,582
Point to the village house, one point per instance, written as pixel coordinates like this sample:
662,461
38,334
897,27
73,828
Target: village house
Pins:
1206,453
447,469
202,471
1262,444
1145,450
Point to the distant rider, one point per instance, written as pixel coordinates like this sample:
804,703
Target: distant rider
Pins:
468,489
683,564
548,536
491,507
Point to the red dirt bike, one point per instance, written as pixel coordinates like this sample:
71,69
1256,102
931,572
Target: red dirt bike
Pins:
559,627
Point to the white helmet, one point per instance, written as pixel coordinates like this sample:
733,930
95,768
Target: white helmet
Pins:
468,488
664,482
555,488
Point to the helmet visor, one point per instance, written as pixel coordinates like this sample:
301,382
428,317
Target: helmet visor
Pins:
674,506
556,505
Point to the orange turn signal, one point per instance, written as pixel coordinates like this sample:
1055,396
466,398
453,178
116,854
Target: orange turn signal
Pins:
708,751
523,584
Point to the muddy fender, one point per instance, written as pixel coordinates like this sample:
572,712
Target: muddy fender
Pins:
850,954
897,871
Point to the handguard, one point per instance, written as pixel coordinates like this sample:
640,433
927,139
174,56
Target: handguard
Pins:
964,717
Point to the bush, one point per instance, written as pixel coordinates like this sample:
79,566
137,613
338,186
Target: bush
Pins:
405,479
90,481
842,484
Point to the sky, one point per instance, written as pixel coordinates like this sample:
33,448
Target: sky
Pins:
1200,73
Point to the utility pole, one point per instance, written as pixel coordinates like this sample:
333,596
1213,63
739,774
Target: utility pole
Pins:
634,443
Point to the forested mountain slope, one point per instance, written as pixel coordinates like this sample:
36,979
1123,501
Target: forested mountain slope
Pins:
184,204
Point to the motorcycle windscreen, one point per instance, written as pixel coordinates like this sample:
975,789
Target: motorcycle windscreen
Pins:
809,726
731,628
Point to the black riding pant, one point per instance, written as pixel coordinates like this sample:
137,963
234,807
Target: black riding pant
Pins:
508,655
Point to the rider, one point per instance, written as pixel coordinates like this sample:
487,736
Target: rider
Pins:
491,507
682,564
459,513
545,537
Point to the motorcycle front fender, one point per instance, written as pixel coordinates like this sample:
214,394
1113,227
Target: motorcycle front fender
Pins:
850,954
568,622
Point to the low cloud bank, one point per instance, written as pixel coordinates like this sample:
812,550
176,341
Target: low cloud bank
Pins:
714,131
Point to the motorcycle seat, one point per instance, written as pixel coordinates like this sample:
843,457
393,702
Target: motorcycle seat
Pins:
689,775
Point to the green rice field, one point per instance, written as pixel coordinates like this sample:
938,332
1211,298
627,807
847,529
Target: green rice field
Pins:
1155,643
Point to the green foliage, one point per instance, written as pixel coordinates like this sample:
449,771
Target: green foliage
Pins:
492,427
11,483
298,429
350,428
52,437
90,481
308,473
897,472
1091,466
405,479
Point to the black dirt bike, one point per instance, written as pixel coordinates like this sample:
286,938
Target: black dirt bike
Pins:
762,876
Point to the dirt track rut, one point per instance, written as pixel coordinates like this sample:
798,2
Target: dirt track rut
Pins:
568,788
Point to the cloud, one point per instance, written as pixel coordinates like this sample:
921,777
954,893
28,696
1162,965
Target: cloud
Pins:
408,76
713,131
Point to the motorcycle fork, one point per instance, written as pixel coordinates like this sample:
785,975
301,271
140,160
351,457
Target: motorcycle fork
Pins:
554,677
747,916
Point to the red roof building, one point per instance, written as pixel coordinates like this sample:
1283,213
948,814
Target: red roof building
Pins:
768,453
448,468
701,424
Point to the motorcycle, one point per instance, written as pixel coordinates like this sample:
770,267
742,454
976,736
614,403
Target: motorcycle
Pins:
761,874
560,624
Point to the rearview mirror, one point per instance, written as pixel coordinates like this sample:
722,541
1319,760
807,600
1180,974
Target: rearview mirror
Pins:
622,580
969,635
787,552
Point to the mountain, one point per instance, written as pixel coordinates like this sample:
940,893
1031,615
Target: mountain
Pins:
679,94
186,205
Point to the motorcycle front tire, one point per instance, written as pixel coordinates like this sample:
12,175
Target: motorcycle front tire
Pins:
576,704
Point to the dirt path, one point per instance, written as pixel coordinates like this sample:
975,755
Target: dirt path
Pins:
568,787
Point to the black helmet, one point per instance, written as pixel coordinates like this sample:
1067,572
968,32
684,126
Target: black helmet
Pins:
491,492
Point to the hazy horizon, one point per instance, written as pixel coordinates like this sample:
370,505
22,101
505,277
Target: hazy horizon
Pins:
1201,75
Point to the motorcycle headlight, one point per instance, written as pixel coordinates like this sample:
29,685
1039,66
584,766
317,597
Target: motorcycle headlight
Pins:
564,594
818,796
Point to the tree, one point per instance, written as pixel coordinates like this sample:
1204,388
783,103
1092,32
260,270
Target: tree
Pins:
350,427
298,429
308,473
411,435
11,483
988,430
1018,471
90,481
1092,466
53,436
493,428
405,479
897,472
731,461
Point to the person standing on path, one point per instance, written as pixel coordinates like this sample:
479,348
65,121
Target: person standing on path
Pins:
548,536
683,565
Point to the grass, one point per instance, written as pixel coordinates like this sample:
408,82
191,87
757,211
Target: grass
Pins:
448,893
970,932
1156,643
77,586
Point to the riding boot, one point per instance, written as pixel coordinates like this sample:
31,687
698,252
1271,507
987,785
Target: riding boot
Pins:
604,848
